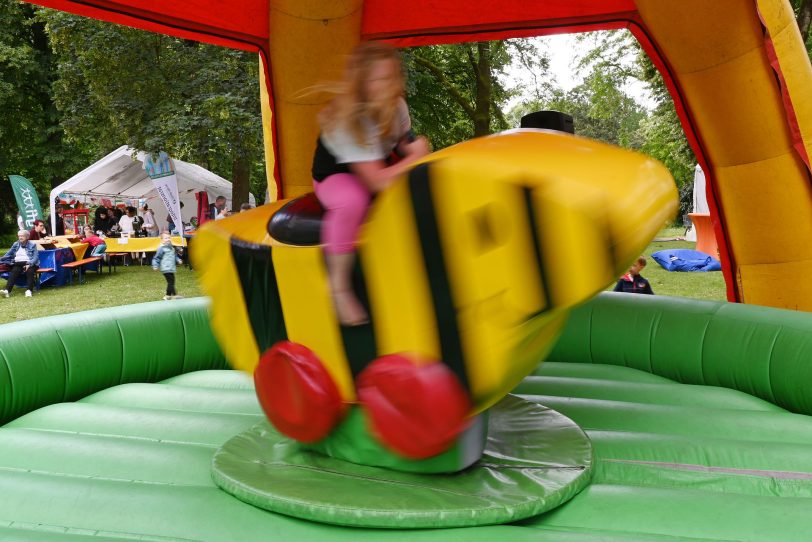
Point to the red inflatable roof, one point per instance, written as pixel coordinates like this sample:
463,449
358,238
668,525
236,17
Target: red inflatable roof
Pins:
243,24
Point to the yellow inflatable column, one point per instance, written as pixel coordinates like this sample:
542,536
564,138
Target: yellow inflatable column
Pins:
720,59
267,133
309,42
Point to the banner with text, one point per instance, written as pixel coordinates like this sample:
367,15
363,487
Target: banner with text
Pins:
162,173
27,200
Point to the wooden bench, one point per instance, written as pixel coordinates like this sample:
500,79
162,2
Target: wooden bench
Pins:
111,264
41,270
4,268
80,265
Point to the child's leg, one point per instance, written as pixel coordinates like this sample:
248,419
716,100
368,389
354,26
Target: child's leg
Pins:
170,283
346,201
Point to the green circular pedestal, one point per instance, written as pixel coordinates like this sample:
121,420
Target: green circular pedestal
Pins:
535,460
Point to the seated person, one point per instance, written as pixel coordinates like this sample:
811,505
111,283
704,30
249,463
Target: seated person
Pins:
97,244
104,223
22,257
38,233
633,282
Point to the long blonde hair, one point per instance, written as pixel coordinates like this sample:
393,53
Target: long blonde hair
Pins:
351,105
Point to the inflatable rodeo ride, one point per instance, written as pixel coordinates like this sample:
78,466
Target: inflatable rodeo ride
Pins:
723,456
468,267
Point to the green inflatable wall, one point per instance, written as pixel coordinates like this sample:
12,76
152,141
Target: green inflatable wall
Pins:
722,456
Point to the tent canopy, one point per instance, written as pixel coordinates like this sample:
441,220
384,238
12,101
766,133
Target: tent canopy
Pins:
121,175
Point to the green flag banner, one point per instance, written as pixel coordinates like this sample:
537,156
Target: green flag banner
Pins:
27,200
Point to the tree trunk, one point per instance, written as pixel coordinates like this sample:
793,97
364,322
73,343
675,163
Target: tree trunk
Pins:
805,18
240,181
482,109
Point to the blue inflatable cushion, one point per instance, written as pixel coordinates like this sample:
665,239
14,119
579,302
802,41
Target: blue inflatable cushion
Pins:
686,260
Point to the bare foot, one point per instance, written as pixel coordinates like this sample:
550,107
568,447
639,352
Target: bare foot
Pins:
349,309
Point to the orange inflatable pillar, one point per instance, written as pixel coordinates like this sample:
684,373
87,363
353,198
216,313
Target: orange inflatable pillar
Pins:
705,236
309,43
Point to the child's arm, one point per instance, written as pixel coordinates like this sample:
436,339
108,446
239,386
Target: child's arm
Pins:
156,260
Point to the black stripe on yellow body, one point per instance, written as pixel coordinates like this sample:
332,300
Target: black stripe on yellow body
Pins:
360,346
434,260
538,251
260,291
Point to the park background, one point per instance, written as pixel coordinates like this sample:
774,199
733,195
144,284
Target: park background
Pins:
73,89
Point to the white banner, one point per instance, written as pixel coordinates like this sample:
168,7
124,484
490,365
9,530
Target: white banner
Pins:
162,173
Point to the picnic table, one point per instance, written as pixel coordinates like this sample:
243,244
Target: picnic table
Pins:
79,266
51,262
139,244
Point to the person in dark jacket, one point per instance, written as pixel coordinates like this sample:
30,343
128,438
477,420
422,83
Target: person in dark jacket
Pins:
103,221
633,282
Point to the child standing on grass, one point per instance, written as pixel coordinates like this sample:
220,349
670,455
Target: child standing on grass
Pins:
166,260
633,282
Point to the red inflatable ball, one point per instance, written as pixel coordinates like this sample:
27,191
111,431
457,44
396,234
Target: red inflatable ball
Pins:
297,393
417,410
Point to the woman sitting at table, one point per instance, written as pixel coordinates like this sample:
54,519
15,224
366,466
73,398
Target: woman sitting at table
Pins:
38,232
96,243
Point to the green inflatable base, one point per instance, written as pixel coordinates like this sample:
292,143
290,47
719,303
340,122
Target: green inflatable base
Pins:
535,460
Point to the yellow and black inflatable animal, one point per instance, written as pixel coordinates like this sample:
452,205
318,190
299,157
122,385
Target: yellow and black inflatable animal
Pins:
468,266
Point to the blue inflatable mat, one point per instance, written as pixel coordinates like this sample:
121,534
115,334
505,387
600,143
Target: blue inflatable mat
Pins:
686,260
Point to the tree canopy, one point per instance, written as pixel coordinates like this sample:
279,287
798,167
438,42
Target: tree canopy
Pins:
73,89
31,137
197,102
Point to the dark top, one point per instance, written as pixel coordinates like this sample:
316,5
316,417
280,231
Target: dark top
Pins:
324,163
34,235
633,285
103,224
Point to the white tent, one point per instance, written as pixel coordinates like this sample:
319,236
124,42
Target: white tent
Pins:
700,200
120,176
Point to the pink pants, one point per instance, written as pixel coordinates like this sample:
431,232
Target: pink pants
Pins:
346,200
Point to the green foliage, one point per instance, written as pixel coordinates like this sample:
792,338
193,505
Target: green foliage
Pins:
603,109
198,102
7,239
31,139
803,15
600,106
456,92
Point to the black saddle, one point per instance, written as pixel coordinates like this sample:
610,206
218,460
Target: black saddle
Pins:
298,222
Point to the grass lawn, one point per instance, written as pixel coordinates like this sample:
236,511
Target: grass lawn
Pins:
136,284
133,284
709,286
